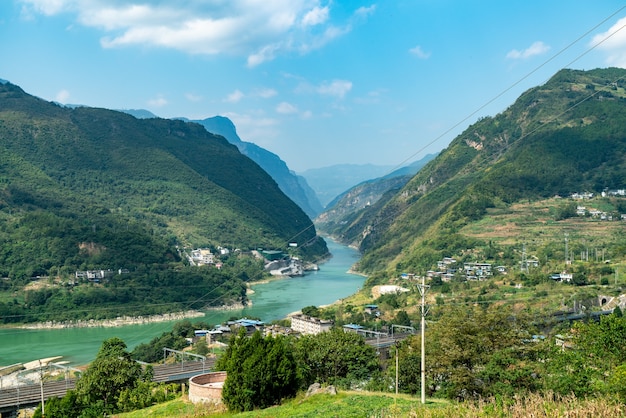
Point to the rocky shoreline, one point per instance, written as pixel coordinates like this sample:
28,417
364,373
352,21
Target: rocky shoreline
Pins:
114,322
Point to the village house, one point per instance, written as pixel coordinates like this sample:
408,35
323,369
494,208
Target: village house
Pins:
371,309
582,196
477,270
202,256
251,325
305,324
354,328
562,277
95,275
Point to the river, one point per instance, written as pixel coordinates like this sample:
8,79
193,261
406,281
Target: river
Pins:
270,301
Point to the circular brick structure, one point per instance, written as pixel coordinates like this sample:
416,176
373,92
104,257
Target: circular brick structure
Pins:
207,387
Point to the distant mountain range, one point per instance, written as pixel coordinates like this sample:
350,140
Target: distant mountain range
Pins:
346,206
329,182
294,186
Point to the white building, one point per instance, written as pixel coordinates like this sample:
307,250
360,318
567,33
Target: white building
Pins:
309,325
202,256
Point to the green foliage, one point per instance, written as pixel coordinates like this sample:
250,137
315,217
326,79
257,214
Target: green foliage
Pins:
111,373
335,357
145,291
474,352
541,146
311,311
85,189
67,406
261,372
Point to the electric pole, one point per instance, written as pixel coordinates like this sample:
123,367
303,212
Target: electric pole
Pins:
43,405
423,289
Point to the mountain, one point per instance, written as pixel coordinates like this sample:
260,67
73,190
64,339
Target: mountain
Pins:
330,182
346,207
566,136
85,188
294,186
139,113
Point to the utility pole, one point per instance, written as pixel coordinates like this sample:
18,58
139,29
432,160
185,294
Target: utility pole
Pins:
566,251
43,406
423,289
396,369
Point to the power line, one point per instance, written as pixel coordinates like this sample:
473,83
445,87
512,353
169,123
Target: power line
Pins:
538,128
446,132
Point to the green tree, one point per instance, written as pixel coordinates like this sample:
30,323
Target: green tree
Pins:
402,318
468,348
67,406
261,372
112,372
335,357
311,311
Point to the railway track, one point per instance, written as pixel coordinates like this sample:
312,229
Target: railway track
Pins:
28,395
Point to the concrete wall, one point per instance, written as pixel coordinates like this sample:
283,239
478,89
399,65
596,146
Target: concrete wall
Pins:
207,387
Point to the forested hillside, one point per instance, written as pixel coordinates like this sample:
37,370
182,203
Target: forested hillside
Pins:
292,185
359,199
566,136
88,188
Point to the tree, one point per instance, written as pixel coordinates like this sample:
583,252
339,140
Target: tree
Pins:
107,376
260,372
335,357
311,311
468,349
402,318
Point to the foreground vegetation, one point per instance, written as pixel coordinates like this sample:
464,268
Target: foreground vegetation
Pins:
372,404
486,358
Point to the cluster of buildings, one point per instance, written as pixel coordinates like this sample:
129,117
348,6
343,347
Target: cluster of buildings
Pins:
448,268
595,213
97,276
205,257
300,325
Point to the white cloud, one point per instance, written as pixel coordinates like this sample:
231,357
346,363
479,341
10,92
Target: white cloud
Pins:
234,97
267,53
158,101
419,52
286,108
62,96
363,12
193,97
259,30
316,16
336,88
613,42
264,93
537,48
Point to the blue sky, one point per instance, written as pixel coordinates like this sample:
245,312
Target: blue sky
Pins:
317,82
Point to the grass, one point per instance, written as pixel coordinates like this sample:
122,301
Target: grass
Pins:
374,405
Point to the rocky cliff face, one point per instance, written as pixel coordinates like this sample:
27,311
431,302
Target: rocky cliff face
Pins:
295,187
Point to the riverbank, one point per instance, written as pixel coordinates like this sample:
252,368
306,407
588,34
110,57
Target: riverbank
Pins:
120,321
271,301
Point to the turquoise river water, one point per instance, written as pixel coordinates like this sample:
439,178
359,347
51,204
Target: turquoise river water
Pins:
270,301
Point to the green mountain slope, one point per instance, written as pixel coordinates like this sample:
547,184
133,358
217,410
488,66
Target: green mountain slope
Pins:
94,188
354,206
566,136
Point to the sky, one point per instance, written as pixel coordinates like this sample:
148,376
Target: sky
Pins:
317,82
